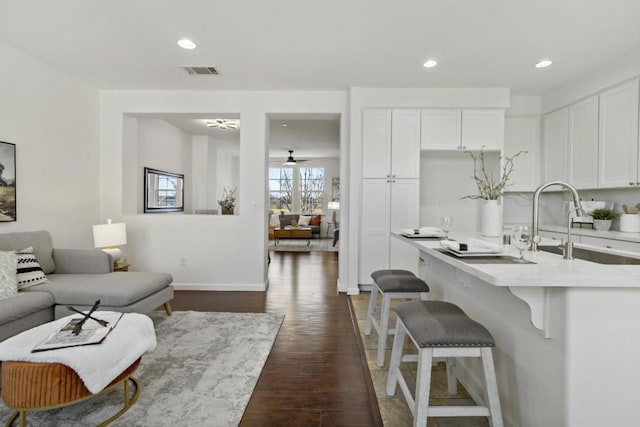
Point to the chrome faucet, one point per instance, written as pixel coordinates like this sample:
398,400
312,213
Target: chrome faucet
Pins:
535,238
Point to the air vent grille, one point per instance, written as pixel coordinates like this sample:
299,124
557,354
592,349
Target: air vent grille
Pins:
201,71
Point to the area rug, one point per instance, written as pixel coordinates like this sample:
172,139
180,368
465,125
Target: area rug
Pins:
300,245
202,372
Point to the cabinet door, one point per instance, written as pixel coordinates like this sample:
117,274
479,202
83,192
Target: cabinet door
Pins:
523,134
556,137
374,228
405,144
583,143
376,143
441,129
405,205
482,129
619,136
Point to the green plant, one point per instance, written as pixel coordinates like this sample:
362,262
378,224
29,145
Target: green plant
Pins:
489,187
605,214
228,200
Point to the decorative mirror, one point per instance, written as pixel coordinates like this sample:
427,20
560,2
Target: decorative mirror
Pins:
163,191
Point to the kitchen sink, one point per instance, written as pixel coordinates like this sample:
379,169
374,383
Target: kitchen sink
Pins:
594,256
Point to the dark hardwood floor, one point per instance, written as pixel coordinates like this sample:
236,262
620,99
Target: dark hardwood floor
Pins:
316,374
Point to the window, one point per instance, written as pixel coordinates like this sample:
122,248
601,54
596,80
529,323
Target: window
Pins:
311,189
280,189
162,191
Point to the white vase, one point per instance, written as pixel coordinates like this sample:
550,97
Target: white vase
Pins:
491,219
630,223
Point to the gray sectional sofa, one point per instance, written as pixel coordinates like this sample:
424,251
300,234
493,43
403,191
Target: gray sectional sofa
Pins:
77,277
315,229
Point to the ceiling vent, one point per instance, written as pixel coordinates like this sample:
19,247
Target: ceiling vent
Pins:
202,71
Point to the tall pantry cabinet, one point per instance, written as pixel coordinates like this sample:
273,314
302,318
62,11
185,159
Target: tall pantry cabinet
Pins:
390,189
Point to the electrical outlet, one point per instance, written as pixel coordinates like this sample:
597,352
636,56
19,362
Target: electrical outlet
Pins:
183,262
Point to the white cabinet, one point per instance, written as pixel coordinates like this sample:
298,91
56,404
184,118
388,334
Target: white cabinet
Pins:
618,153
387,205
583,143
556,139
441,130
391,144
523,134
482,128
456,129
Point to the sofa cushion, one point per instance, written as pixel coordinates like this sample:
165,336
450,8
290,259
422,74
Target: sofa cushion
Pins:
8,280
23,304
40,241
315,220
29,272
112,289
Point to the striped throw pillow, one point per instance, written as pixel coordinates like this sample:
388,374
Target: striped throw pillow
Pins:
29,272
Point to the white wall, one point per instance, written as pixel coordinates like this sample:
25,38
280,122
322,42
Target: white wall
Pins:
52,119
165,147
219,252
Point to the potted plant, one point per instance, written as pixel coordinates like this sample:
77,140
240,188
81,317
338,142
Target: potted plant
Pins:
228,201
602,218
491,188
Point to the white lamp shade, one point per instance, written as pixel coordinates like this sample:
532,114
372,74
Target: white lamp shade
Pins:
333,206
107,235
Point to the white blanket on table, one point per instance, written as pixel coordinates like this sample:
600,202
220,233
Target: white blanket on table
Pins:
97,365
472,245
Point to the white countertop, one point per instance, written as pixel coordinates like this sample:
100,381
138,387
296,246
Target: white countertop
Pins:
549,270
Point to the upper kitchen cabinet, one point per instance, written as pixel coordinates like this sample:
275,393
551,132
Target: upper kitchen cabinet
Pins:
456,129
583,143
482,129
556,140
618,151
391,144
523,134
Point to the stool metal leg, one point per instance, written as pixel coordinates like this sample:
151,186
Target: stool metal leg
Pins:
373,302
491,388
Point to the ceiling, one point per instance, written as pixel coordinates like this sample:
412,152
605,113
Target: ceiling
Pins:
323,45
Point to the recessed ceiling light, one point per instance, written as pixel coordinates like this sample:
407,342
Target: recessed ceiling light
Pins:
430,63
284,125
186,44
544,63
223,124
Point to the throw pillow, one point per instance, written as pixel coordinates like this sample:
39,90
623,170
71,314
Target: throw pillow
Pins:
315,220
275,221
8,282
304,220
29,271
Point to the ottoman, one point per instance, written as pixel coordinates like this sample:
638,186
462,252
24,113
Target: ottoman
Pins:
35,381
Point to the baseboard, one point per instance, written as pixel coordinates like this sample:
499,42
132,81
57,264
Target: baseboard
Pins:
365,288
250,287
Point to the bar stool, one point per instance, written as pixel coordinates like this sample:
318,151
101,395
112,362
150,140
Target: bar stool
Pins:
441,329
390,284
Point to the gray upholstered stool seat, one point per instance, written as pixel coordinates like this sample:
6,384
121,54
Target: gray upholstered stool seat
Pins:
390,272
390,284
393,283
442,324
440,329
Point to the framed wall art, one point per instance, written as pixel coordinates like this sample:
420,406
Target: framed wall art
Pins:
7,182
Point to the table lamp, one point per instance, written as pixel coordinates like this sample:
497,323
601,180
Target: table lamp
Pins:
108,235
333,206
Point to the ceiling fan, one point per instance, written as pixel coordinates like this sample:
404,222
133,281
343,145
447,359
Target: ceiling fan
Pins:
291,161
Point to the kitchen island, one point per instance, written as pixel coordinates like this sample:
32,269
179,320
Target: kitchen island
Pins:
567,333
